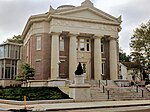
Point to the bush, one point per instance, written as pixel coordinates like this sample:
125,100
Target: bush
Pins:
32,93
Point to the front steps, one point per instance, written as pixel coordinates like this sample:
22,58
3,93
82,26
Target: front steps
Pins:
99,92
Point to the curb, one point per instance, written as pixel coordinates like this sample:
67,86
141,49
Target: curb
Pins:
95,107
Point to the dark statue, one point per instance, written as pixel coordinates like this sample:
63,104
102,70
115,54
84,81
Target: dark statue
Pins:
79,70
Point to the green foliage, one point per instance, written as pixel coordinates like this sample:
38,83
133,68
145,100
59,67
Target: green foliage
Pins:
124,58
140,44
27,72
16,39
79,70
32,93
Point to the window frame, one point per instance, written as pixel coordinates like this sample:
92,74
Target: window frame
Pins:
38,43
61,44
86,44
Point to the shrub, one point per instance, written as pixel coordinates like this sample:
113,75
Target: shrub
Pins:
32,93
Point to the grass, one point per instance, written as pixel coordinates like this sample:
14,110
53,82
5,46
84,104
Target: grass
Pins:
32,93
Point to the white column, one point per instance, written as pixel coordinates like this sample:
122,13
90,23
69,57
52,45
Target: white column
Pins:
113,60
72,56
97,59
55,56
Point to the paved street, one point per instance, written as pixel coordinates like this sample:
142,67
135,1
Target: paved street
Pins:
104,106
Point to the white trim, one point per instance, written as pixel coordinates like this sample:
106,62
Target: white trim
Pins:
38,43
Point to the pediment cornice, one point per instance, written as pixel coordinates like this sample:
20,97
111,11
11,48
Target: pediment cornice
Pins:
90,9
83,20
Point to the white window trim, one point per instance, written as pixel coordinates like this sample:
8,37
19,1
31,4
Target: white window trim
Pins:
61,41
38,43
85,44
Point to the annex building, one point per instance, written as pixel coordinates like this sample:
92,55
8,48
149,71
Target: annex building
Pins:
56,41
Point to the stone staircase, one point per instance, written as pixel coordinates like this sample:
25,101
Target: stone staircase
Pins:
99,91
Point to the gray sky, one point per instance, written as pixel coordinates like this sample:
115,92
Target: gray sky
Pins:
15,13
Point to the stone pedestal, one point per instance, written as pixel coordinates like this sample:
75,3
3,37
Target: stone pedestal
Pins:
80,91
79,79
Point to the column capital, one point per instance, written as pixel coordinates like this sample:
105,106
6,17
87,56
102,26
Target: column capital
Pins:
73,34
97,37
55,33
114,38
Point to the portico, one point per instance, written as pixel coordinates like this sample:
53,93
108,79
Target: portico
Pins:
84,48
75,34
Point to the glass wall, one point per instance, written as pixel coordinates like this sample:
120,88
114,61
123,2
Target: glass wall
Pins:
1,52
9,55
8,69
10,51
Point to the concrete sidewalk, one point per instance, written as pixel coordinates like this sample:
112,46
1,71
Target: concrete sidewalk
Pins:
77,105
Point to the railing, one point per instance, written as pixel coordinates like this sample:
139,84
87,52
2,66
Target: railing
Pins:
111,91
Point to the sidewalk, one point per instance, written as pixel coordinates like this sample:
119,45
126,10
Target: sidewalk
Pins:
78,105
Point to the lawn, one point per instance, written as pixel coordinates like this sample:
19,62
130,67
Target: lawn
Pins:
32,93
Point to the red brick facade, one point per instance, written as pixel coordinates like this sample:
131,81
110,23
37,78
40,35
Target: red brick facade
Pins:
39,59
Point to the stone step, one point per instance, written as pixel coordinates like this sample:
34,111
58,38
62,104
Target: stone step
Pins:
115,93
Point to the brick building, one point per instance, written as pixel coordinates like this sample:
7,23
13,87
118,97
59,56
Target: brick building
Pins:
54,42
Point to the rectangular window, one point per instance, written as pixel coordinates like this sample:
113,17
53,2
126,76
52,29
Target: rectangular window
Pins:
27,47
1,51
84,44
87,45
61,44
38,43
102,47
103,67
6,51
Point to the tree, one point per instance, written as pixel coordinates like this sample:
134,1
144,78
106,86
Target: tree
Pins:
27,72
16,39
79,70
123,57
140,45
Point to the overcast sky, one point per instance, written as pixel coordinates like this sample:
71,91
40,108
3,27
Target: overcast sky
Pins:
15,13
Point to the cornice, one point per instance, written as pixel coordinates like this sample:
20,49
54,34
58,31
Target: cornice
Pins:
93,9
83,20
31,20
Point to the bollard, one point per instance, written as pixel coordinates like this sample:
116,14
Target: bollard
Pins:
142,93
25,102
99,83
103,89
108,94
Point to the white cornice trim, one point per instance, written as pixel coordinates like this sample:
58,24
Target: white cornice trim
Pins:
31,20
94,10
84,20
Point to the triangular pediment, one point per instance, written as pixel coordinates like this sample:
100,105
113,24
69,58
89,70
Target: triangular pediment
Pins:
89,14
